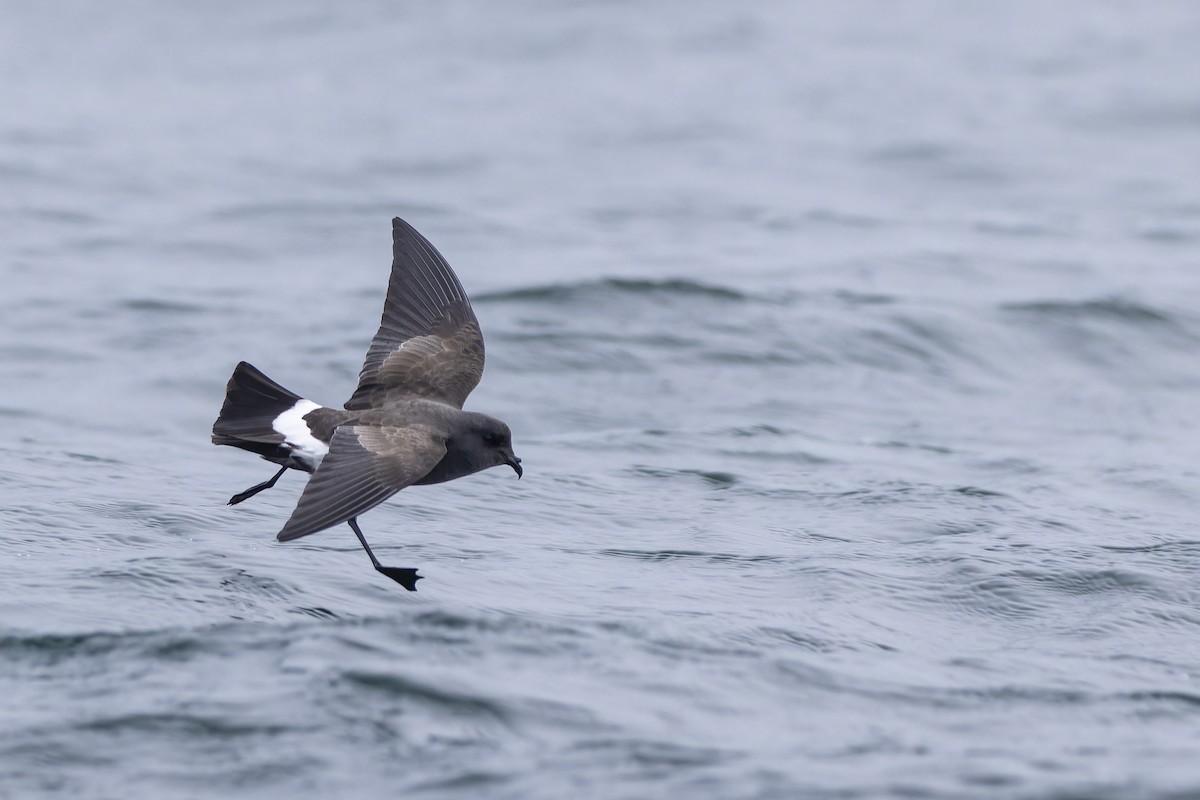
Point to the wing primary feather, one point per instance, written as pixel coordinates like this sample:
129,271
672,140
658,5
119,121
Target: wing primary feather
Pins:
413,247
425,299
426,305
429,272
416,301
436,270
449,284
440,278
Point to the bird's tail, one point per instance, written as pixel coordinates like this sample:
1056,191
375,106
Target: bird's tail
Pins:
253,405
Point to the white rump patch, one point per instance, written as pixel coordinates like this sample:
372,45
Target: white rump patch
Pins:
295,431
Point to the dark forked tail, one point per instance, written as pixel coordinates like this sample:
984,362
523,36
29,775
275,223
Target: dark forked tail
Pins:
252,404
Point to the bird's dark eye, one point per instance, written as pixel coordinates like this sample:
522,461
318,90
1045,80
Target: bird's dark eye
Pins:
493,440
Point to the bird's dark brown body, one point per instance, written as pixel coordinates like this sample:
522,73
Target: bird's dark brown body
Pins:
458,429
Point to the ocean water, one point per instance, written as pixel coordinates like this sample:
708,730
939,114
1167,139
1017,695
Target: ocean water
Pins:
851,350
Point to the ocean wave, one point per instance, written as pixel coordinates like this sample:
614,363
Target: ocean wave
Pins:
1119,309
611,287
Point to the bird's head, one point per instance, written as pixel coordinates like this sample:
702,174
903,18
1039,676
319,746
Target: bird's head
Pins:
493,444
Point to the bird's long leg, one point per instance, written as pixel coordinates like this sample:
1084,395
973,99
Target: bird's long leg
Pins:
405,576
253,490
353,522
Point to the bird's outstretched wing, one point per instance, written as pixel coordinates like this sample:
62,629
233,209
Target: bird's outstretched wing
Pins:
429,343
366,465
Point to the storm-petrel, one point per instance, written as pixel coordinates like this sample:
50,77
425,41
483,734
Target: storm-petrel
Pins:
403,425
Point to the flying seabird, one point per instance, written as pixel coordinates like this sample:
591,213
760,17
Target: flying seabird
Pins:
403,425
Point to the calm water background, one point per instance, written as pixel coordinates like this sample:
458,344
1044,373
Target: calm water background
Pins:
851,349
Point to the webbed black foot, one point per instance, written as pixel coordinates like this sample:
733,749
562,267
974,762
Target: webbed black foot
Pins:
405,576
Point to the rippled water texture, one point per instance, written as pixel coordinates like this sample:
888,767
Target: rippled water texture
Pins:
851,350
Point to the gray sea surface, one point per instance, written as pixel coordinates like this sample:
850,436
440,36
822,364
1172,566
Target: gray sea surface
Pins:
851,350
